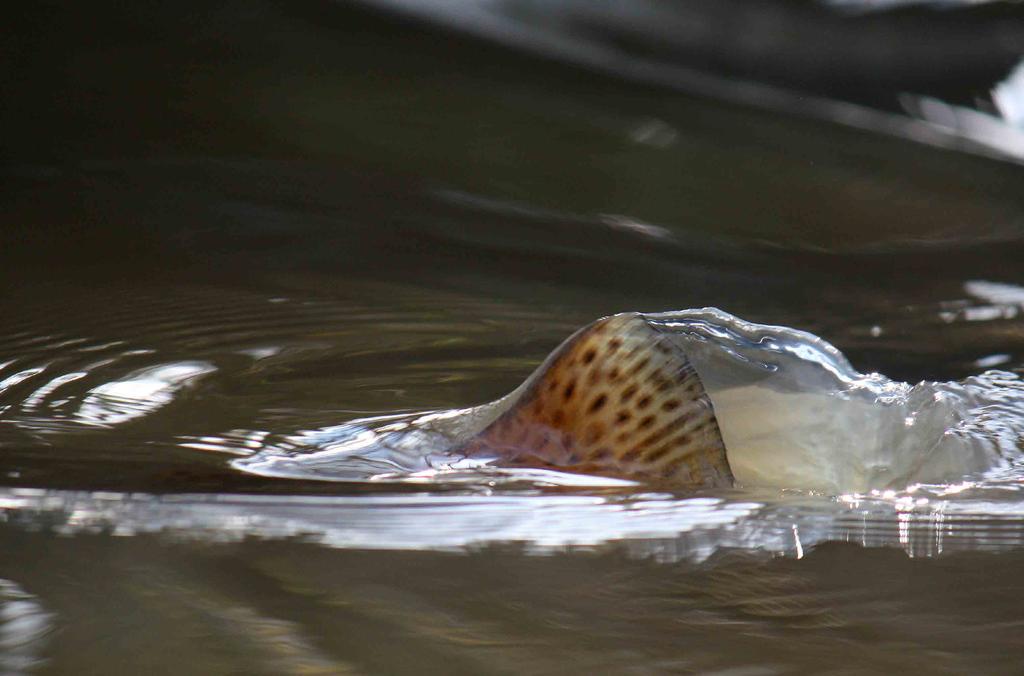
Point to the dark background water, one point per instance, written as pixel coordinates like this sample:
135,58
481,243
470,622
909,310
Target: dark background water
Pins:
242,140
328,210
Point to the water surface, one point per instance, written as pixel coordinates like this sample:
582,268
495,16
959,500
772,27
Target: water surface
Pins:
302,241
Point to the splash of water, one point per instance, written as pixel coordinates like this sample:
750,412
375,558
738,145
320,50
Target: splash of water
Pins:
795,414
792,410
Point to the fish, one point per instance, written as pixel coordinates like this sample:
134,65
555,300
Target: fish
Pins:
617,399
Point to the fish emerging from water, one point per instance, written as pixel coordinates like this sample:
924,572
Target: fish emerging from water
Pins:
619,399
623,399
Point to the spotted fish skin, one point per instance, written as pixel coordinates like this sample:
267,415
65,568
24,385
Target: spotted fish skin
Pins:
617,399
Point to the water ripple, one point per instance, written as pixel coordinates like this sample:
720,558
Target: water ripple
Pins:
663,526
138,394
24,628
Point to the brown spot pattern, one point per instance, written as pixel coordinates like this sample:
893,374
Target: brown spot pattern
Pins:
620,359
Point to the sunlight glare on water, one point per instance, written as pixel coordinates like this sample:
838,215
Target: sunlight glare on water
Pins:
138,394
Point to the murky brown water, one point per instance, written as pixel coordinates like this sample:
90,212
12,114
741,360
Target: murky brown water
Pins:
329,215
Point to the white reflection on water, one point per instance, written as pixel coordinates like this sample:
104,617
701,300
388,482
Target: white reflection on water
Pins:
12,380
1000,301
661,526
139,393
1009,96
235,442
992,134
24,626
1007,295
407,522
